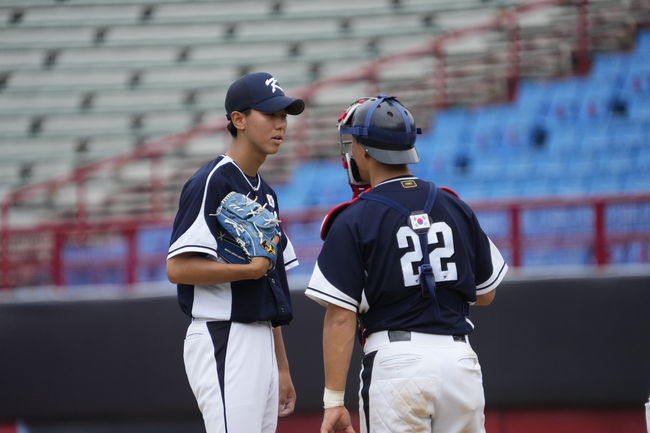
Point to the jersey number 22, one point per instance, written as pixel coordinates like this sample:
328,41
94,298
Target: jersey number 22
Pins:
414,256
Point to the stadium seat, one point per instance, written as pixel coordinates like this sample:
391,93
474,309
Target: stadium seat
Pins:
87,79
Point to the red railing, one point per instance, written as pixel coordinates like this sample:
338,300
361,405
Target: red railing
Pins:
598,228
154,150
38,253
600,232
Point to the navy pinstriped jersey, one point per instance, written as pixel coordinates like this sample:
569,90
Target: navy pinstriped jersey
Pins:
196,230
370,262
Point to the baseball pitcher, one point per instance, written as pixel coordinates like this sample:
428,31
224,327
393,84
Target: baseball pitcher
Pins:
229,256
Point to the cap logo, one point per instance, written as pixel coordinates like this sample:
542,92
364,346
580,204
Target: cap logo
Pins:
273,83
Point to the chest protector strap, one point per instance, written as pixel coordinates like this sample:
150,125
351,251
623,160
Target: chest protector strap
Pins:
420,224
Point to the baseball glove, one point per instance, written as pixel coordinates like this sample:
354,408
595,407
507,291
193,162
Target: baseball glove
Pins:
250,228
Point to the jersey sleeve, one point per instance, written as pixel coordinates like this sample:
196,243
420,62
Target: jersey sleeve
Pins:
289,254
490,265
194,229
338,276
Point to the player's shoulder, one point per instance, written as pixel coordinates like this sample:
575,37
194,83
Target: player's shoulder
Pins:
448,195
342,213
208,170
223,167
449,191
226,176
212,181
451,200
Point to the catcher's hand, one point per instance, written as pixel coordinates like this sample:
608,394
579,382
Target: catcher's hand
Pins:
336,419
250,229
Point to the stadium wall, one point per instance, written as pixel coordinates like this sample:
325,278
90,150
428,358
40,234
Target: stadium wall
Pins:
571,342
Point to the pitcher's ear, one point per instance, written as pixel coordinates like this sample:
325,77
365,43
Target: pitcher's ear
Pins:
238,119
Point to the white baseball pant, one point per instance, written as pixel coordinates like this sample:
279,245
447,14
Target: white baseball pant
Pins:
428,383
232,370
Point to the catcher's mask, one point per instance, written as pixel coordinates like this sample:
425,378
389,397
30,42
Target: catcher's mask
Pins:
383,127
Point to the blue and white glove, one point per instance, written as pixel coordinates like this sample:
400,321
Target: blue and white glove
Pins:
250,229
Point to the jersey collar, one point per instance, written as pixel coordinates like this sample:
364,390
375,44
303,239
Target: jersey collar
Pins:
395,179
246,178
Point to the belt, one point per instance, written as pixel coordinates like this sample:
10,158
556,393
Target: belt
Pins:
381,338
406,336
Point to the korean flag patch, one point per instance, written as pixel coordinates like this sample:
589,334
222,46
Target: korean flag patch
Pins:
419,221
270,201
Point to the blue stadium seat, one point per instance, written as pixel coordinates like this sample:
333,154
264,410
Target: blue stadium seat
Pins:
531,92
534,187
606,65
643,41
639,109
599,183
633,182
579,256
636,84
79,264
495,224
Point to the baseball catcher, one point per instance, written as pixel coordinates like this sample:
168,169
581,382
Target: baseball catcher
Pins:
249,230
401,263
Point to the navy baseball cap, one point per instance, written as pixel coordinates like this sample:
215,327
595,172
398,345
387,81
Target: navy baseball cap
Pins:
261,91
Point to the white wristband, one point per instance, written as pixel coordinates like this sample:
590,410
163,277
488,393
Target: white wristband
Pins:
333,398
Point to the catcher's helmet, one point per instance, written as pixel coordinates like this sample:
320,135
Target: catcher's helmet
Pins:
383,126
